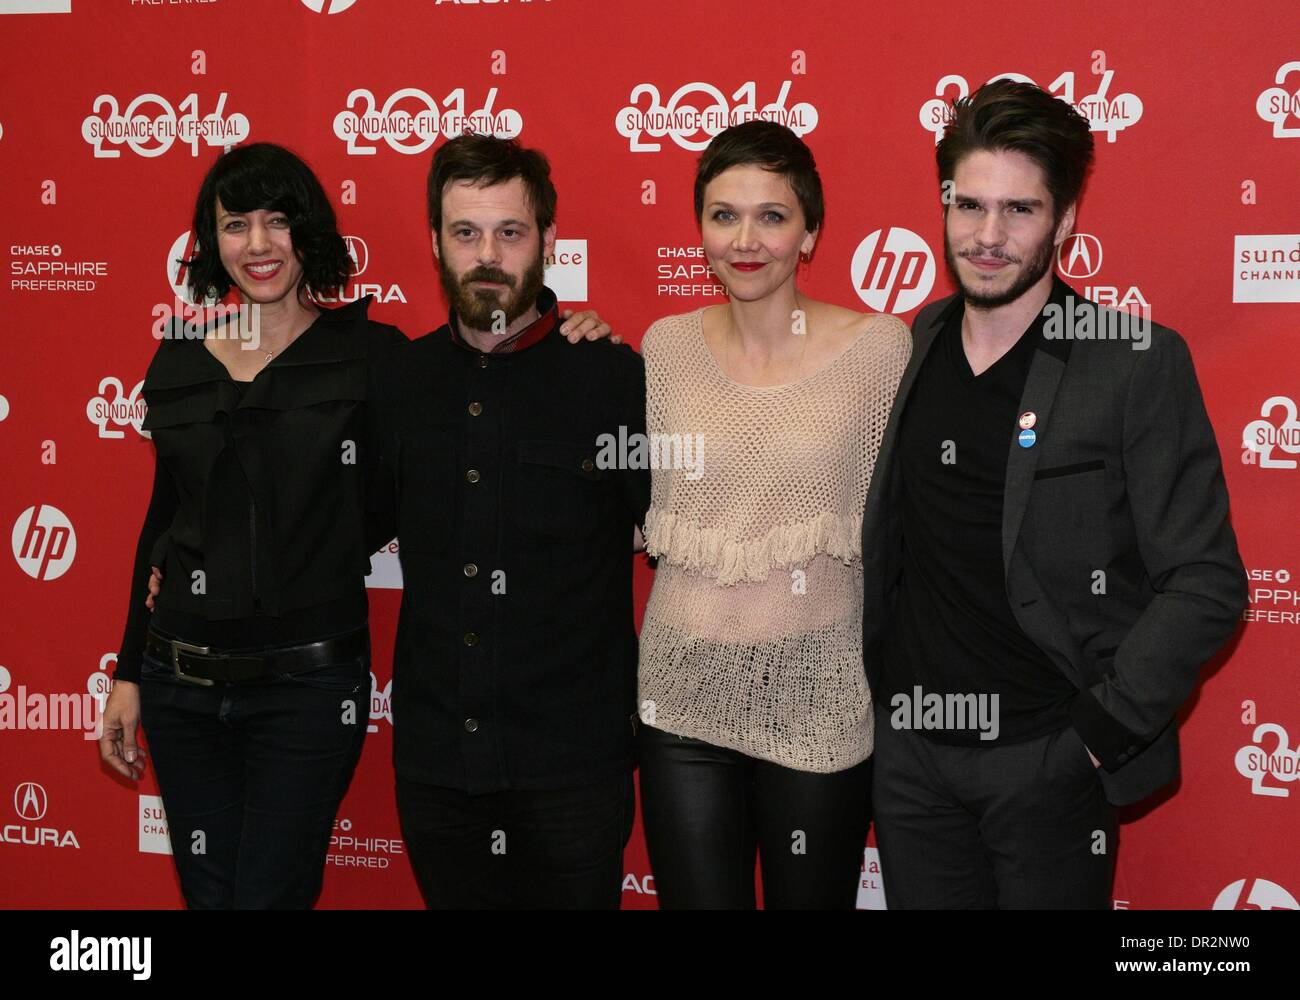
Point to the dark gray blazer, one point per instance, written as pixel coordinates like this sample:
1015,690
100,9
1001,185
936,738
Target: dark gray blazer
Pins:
1125,478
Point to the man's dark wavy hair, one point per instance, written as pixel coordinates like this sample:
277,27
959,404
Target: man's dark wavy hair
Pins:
487,160
270,177
1010,115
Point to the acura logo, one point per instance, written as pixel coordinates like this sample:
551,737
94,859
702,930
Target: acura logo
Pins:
359,254
30,801
1079,255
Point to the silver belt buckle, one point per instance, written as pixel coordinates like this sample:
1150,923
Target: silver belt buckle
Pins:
180,647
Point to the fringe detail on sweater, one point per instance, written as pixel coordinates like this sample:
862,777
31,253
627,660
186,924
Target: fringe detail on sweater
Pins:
710,552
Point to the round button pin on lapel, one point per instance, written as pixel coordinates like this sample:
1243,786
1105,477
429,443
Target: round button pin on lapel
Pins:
1028,419
1027,438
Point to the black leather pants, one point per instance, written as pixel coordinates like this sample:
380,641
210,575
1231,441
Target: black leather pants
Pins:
707,810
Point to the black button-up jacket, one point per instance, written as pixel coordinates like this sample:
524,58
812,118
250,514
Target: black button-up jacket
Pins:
516,651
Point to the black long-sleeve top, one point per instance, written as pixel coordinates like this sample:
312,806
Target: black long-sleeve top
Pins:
263,513
515,664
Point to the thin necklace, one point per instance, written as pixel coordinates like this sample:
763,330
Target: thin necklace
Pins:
271,354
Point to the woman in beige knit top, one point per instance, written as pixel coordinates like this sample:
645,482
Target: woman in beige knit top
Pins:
765,415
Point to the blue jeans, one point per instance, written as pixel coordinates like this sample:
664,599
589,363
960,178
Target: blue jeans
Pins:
252,775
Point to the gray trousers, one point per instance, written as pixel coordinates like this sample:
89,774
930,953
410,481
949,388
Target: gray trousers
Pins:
1020,826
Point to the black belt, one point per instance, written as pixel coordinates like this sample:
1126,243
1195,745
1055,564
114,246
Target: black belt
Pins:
200,665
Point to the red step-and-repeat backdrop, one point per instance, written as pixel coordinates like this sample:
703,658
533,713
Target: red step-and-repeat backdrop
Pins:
112,110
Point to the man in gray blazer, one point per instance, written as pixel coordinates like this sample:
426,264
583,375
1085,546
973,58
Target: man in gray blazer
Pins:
1047,551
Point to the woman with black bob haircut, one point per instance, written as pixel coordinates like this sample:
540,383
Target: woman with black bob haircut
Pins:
270,177
252,679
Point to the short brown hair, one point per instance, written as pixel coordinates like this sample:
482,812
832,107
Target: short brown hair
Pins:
1022,117
486,160
773,147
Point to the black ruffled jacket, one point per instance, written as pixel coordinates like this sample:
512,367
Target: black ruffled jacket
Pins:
266,502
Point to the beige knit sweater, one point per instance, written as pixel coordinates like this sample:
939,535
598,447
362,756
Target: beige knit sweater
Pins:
752,637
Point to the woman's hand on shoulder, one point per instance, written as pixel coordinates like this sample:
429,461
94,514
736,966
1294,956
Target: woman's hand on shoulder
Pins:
586,325
155,586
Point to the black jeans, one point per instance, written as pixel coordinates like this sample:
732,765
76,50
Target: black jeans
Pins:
1021,826
707,810
553,849
252,775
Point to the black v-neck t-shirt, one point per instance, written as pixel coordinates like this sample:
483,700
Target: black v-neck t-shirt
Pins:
952,631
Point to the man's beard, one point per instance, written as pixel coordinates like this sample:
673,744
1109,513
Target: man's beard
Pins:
481,309
1038,264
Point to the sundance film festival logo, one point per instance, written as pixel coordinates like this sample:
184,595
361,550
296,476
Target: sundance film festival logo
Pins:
150,126
1254,894
100,683
381,703
1106,112
892,270
1269,761
1266,268
696,112
114,406
1276,430
44,542
1280,106
410,120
